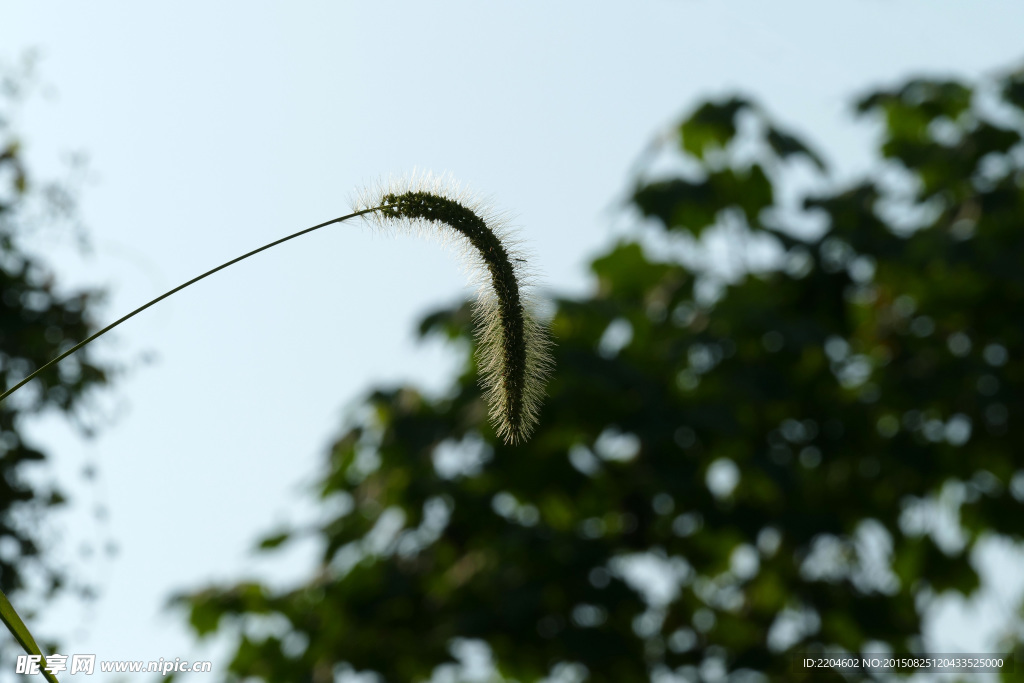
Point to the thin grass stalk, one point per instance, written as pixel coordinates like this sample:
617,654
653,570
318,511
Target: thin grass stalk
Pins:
513,346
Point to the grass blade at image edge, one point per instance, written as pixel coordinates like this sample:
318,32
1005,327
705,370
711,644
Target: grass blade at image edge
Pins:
17,627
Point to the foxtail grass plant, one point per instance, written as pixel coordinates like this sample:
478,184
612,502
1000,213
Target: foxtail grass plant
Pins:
512,343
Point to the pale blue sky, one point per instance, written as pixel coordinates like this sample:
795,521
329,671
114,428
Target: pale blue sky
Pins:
215,128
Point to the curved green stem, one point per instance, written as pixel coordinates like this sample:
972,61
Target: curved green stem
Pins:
8,615
163,296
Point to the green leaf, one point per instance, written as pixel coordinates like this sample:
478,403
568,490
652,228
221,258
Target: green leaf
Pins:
679,203
928,99
786,145
21,633
711,127
694,205
1013,89
274,540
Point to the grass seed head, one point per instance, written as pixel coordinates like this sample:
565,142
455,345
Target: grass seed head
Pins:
513,345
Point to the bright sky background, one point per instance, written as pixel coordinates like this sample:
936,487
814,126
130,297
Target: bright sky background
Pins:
214,128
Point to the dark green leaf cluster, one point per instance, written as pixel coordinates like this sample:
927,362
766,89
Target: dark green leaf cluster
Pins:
37,322
693,203
804,461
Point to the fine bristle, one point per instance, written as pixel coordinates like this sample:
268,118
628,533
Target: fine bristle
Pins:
513,345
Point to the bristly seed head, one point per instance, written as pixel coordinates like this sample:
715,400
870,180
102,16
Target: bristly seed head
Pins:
513,345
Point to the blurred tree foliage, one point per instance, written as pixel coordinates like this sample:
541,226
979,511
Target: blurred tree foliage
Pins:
800,456
38,321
